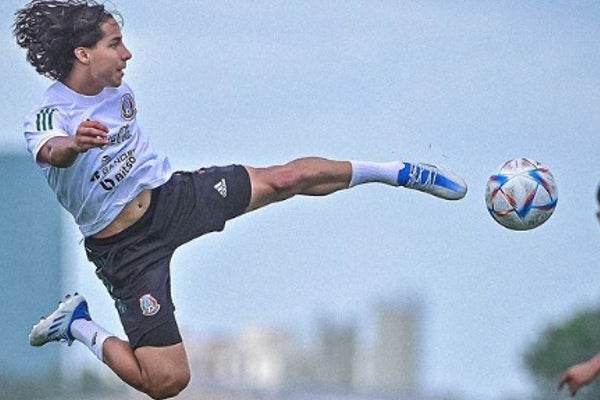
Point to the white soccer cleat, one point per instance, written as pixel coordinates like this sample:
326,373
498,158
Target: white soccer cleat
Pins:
56,327
433,180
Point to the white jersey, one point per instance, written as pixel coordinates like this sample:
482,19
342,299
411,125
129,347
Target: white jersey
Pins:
102,180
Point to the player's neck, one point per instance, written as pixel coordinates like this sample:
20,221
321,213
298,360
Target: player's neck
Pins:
82,84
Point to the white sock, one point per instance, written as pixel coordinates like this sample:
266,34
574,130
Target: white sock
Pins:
366,171
91,335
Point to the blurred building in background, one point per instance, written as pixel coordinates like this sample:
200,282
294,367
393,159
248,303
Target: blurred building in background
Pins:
335,355
266,359
30,280
254,359
396,352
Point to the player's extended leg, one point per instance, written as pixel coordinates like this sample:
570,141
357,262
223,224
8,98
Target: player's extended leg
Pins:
316,176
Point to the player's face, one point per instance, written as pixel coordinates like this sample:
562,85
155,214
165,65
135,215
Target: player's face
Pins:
109,57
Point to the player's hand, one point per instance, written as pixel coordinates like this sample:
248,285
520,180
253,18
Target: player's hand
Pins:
576,377
90,134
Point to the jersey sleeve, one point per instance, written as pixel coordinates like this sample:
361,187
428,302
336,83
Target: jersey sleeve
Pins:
41,125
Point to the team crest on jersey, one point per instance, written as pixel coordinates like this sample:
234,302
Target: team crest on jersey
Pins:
149,305
127,107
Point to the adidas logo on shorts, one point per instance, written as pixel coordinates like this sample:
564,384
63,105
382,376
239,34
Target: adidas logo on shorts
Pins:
221,187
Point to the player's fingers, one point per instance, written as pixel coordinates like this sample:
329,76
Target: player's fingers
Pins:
91,134
88,141
91,131
94,124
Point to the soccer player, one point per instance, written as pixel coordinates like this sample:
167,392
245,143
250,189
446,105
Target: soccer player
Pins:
582,374
132,208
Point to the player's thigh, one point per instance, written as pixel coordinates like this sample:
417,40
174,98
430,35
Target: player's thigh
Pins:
164,365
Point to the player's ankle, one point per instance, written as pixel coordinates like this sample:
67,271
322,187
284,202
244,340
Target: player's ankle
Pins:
366,171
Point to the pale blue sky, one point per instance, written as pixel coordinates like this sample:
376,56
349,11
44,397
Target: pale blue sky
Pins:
466,84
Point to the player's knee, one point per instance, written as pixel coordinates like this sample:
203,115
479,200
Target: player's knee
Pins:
288,181
277,183
169,385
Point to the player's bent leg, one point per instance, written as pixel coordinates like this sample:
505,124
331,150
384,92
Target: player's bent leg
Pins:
312,176
165,370
160,372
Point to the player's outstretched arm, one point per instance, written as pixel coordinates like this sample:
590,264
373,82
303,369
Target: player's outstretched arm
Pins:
62,151
580,375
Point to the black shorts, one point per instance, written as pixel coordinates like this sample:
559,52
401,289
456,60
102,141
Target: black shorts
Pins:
134,264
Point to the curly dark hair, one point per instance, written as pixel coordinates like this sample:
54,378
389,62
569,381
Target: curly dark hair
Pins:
51,29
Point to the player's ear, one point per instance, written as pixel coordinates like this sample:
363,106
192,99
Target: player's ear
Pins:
82,54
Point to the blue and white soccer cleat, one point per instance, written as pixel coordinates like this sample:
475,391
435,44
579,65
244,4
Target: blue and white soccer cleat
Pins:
56,327
433,180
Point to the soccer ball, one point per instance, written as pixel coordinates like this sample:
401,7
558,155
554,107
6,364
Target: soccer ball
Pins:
522,195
